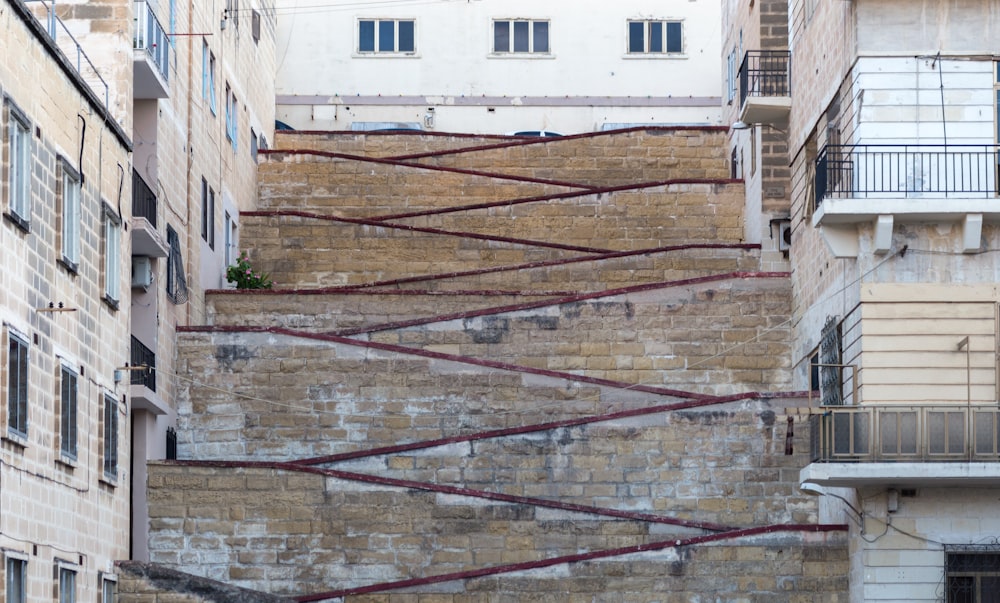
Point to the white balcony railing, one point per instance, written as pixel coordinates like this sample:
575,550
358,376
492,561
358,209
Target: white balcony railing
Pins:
912,433
149,36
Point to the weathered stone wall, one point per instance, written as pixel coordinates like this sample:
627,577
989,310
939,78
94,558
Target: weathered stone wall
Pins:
380,144
608,158
357,188
266,396
153,583
716,338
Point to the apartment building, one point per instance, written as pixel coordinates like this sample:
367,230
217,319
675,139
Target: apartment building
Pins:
167,103
64,305
497,66
889,110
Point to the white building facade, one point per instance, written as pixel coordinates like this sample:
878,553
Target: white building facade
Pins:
497,66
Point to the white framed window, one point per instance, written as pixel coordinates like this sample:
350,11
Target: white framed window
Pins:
109,588
520,36
207,214
67,584
18,166
212,105
654,37
112,256
731,83
70,216
386,36
232,118
67,413
17,385
109,426
229,232
17,579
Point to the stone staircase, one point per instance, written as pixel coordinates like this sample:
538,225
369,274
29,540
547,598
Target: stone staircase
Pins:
481,378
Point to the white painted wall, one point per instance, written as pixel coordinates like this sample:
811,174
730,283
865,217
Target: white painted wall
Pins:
587,79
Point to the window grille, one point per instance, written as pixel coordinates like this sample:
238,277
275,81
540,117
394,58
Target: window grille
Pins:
831,357
177,290
972,575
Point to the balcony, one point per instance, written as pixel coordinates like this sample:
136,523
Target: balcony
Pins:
904,445
151,58
918,182
45,12
143,379
765,87
145,239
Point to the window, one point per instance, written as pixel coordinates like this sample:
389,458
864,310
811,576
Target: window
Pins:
176,283
731,77
831,358
231,116
19,167
520,37
654,37
207,214
230,235
385,36
112,256
70,217
110,448
67,413
255,26
972,577
67,585
109,590
17,385
210,82
17,578
253,144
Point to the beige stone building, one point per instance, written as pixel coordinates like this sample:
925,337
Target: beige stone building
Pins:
889,111
130,130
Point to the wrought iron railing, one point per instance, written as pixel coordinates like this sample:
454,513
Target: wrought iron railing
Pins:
143,199
142,356
45,12
765,73
913,433
149,36
906,170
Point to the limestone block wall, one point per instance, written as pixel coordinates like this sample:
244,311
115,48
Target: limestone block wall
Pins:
254,395
724,464
153,583
631,219
358,188
296,533
605,158
305,251
380,144
713,338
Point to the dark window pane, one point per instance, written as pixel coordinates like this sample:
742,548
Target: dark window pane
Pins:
366,36
386,36
636,42
501,36
961,589
520,36
656,36
989,589
406,43
541,36
674,42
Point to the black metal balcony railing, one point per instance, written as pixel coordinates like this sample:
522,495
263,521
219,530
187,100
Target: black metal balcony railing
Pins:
149,36
902,170
906,434
143,356
143,199
765,73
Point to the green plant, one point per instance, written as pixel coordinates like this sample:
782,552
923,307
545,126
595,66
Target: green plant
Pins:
244,276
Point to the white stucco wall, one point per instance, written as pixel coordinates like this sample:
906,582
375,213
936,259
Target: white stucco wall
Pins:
586,80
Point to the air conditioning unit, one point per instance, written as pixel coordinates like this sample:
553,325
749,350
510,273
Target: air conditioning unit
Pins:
142,272
784,236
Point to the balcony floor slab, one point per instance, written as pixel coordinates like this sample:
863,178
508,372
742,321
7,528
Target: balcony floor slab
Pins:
857,475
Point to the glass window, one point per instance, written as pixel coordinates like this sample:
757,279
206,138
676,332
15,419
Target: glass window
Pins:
70,217
109,591
110,448
655,37
207,214
67,413
112,256
16,580
386,36
972,577
211,84
17,385
520,36
67,585
19,167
